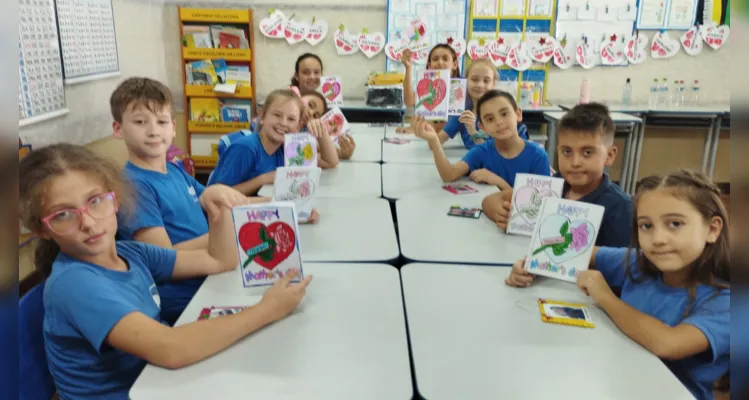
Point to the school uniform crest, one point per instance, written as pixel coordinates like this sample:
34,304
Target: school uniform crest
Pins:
192,192
155,295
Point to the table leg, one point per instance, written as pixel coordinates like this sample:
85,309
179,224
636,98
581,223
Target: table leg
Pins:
636,156
627,161
708,142
714,147
551,141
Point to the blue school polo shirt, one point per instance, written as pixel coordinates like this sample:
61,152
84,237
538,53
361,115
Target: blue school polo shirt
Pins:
170,201
710,313
616,225
83,302
531,160
244,160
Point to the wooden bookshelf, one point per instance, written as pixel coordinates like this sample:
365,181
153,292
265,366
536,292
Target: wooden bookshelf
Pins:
234,18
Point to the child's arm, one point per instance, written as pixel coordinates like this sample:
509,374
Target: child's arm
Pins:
327,151
251,187
409,100
234,168
180,346
483,175
346,145
496,207
448,172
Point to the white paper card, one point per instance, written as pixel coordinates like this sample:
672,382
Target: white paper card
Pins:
336,124
300,150
458,95
332,88
431,90
298,185
527,195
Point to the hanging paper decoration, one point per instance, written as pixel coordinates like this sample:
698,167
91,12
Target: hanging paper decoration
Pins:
476,49
416,31
542,50
273,25
371,43
663,46
316,32
295,31
497,52
345,42
635,48
459,45
564,54
612,52
692,41
585,55
419,52
518,58
394,50
715,36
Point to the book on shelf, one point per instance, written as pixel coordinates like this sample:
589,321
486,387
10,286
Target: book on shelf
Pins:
205,110
236,110
212,72
201,72
214,36
197,36
239,74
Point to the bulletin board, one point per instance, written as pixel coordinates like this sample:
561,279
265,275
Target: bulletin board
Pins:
87,37
40,90
666,14
514,21
443,18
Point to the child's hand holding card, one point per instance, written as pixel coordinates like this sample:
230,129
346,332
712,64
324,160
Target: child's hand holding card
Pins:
336,124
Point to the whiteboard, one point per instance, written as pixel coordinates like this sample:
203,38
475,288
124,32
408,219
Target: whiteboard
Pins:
87,36
40,88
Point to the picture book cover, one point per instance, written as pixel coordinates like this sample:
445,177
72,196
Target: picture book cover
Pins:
268,242
332,88
336,123
233,110
562,241
560,312
300,150
527,194
431,90
298,185
458,96
205,110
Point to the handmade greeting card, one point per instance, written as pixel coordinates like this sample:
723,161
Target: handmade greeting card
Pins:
268,242
560,312
336,123
563,238
458,93
527,195
332,88
431,89
298,185
300,150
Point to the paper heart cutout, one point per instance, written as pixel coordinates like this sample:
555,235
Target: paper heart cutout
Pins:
497,52
715,36
419,51
273,25
612,54
564,57
582,233
663,46
317,32
459,45
518,58
476,51
691,41
635,47
345,42
295,31
585,56
278,236
371,43
394,50
439,88
542,50
527,201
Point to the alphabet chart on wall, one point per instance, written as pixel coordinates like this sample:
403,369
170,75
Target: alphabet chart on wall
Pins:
87,36
40,88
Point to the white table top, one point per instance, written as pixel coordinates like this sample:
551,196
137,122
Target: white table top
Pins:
345,341
356,231
473,337
362,105
347,180
390,133
368,148
619,118
418,152
362,129
428,234
423,180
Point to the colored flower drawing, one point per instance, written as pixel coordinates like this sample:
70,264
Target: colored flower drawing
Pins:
580,237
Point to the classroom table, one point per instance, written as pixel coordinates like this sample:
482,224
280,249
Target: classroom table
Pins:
358,111
346,341
368,148
400,180
347,180
428,234
376,130
350,231
633,124
418,152
473,337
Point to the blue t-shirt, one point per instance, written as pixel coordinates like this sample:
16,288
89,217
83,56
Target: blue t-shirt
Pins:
83,302
170,201
531,160
710,313
453,127
616,225
230,138
244,160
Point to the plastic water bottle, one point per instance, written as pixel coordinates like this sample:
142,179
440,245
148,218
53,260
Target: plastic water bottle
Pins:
695,101
627,93
526,95
673,98
683,101
654,91
584,92
664,96
536,94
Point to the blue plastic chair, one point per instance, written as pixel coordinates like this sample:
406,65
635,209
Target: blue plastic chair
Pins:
35,380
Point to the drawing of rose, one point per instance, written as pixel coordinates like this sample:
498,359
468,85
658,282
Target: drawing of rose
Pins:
579,237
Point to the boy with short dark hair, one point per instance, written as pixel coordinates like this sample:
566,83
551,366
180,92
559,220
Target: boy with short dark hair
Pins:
585,148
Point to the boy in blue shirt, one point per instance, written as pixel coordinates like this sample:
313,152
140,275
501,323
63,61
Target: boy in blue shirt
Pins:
169,210
585,149
497,160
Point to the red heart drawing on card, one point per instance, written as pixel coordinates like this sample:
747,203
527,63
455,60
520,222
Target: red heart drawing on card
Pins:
295,31
272,27
436,88
611,55
562,57
543,49
331,90
518,58
316,32
394,50
276,242
663,46
635,48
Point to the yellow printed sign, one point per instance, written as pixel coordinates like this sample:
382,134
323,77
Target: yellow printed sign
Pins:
190,53
217,127
242,92
214,15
